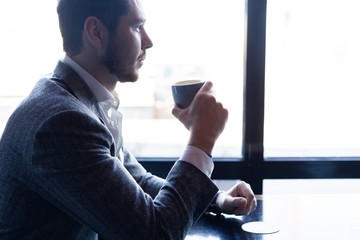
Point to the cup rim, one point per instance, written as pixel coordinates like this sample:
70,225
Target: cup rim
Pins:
187,82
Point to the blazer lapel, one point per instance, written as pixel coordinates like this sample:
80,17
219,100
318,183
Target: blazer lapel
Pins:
70,80
66,75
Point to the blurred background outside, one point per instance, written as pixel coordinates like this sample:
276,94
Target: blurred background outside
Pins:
312,77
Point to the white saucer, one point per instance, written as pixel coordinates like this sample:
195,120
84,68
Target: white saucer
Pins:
259,227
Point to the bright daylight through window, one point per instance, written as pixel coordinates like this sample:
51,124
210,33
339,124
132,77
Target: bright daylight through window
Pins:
312,79
193,39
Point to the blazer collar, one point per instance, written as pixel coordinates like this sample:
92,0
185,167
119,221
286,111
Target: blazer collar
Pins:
66,75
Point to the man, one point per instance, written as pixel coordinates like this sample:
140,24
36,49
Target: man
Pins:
65,173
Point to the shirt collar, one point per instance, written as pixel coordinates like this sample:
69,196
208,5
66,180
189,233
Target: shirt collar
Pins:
100,92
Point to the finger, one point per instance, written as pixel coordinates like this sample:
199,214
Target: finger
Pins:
254,204
244,189
206,87
251,206
251,199
176,111
239,206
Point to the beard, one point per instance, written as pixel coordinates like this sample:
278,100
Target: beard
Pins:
117,64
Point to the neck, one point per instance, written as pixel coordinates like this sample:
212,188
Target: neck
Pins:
97,70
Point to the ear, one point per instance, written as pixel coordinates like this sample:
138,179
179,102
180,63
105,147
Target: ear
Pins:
95,32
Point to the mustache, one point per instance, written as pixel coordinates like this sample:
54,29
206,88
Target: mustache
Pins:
142,56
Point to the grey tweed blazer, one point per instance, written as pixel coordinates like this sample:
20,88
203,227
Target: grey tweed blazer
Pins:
59,178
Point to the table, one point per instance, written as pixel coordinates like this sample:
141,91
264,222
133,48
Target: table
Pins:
299,217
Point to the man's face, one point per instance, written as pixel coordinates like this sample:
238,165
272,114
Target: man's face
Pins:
127,46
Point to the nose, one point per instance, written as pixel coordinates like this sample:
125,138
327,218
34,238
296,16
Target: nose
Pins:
146,41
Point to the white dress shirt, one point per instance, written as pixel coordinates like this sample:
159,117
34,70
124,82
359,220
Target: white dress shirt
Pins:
106,101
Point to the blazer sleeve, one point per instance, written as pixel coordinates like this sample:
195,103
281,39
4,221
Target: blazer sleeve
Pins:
150,183
73,169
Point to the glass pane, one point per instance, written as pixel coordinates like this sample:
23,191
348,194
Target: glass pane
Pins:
312,78
30,46
193,39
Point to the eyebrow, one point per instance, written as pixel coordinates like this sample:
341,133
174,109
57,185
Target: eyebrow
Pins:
139,20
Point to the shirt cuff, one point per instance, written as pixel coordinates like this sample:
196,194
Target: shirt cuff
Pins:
199,159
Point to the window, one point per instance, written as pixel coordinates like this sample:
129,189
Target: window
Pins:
30,46
294,62
312,79
202,39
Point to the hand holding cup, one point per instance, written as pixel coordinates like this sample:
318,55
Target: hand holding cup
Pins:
205,117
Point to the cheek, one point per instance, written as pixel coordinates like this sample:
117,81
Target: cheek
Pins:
128,50
134,43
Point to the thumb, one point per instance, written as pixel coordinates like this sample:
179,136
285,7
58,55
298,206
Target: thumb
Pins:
239,202
232,205
239,205
206,87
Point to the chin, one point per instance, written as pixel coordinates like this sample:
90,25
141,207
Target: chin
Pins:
128,77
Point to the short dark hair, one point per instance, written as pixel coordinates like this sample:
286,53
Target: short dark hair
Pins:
73,13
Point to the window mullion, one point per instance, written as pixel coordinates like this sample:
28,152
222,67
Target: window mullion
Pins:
253,121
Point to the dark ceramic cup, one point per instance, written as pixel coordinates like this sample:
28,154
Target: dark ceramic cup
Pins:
184,92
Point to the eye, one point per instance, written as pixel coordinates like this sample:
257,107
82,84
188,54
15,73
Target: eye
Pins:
139,27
